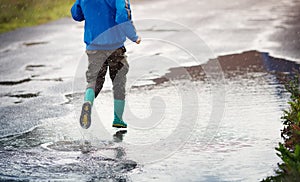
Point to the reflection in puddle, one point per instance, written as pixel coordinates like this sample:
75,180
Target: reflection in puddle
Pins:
119,135
236,64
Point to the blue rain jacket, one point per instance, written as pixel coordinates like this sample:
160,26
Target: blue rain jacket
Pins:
107,23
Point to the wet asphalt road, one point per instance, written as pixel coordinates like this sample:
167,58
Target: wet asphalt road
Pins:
234,26
42,66
42,60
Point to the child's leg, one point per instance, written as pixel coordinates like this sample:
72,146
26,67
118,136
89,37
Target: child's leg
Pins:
100,79
118,69
89,95
95,75
97,69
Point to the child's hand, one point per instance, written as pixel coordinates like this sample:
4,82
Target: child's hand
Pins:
138,41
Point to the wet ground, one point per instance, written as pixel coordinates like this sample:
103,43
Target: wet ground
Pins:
191,117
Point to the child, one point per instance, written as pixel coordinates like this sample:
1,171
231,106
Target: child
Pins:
107,24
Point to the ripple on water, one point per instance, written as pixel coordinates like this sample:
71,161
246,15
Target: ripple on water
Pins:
61,160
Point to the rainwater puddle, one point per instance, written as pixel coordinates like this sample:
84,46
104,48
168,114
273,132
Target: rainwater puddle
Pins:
236,143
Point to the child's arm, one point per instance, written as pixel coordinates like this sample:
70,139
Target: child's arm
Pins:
123,18
76,11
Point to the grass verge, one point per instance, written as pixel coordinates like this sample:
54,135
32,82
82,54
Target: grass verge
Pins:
23,13
289,151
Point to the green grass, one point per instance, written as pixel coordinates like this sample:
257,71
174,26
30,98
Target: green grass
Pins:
289,152
23,13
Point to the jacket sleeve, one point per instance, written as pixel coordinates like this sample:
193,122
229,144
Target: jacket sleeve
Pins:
123,19
76,11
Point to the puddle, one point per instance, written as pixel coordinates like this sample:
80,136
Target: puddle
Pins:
32,67
77,96
33,78
255,97
24,95
49,79
19,45
70,97
153,29
18,102
66,146
15,82
34,43
236,64
33,157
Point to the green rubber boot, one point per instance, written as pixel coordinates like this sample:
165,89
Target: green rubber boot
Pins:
85,117
118,113
89,96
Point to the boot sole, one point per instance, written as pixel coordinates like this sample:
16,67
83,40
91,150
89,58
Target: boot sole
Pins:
119,126
85,117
